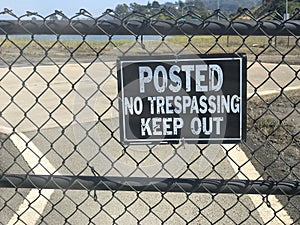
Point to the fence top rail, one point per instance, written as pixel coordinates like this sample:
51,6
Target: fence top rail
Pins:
150,27
150,184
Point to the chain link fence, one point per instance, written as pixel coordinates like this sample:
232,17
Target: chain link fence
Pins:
61,159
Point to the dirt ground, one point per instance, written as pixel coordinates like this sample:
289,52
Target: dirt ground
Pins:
273,141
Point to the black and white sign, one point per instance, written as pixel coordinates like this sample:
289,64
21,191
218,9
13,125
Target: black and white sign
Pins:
194,98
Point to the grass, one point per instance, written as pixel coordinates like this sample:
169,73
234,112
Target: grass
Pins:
267,49
23,43
246,44
229,42
267,125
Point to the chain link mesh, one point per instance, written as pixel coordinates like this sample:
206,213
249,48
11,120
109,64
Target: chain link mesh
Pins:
59,119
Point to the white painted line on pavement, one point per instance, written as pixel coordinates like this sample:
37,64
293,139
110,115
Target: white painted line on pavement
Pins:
38,198
5,130
271,92
35,202
248,171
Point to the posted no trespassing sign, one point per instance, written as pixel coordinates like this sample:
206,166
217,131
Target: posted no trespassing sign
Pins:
194,98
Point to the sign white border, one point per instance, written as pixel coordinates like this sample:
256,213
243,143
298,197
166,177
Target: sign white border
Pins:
141,141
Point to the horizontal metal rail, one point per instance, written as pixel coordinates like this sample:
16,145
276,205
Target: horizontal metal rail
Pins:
150,27
150,184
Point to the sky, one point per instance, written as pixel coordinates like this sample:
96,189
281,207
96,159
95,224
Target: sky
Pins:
68,7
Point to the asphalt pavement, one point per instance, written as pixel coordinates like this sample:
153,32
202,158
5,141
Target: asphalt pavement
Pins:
58,120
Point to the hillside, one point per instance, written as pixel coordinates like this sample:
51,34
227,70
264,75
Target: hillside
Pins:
231,6
278,5
206,7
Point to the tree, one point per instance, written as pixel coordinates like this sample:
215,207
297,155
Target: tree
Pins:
155,4
122,10
137,7
53,17
199,5
181,4
279,6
